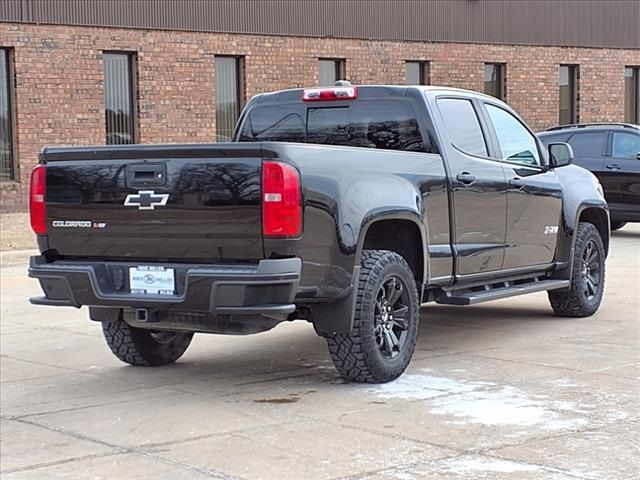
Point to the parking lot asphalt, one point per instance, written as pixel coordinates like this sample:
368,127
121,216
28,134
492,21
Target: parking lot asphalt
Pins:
499,390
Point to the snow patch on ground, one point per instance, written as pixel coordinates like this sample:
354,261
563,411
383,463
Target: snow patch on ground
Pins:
422,387
564,383
504,406
403,476
481,402
472,464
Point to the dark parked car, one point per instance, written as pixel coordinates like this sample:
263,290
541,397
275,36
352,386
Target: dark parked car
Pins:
347,207
612,152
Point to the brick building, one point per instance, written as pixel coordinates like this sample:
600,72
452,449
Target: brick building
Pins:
95,72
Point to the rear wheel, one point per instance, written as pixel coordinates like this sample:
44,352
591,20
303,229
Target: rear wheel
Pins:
617,225
140,347
385,327
584,296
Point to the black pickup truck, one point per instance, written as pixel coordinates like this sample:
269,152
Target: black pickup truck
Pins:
345,206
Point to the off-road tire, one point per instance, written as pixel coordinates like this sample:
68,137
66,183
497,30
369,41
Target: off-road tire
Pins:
617,225
147,348
574,301
357,355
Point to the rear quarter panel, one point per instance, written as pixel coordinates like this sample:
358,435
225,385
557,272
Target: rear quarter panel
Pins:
345,190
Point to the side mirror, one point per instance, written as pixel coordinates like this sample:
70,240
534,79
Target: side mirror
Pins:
560,155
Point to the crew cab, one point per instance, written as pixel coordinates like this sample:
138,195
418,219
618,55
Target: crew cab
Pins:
345,206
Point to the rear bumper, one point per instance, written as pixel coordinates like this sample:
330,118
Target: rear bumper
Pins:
267,288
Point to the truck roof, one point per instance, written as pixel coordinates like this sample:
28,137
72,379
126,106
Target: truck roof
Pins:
295,94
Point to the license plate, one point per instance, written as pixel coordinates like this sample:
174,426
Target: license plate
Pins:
151,280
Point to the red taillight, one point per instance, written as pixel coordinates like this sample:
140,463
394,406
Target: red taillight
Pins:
281,200
334,93
37,206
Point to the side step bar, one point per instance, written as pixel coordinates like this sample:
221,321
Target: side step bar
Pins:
498,290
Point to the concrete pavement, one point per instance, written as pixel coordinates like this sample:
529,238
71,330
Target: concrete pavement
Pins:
500,390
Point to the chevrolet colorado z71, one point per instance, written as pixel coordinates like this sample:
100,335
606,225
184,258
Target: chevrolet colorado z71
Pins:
346,206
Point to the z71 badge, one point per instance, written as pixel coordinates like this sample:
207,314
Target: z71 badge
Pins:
551,230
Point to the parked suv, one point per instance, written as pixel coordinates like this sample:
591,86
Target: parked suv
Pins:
612,152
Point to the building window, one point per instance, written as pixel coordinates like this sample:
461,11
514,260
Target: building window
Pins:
632,94
120,97
8,169
330,71
417,73
229,95
494,80
568,94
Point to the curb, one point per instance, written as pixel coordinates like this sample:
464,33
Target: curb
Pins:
11,258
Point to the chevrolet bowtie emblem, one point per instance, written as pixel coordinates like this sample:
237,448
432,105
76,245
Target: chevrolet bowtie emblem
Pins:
146,200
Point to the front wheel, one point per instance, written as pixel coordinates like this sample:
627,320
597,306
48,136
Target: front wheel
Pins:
140,347
584,296
385,326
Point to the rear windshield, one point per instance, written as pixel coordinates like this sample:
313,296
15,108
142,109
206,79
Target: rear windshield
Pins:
382,124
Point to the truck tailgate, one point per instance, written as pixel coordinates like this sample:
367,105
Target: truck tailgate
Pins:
155,202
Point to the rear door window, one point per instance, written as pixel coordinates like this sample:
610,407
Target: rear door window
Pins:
463,126
588,144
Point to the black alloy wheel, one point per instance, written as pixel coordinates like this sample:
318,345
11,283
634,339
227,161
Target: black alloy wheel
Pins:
390,313
591,270
385,322
584,295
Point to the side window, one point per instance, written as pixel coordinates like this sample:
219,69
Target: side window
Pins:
463,126
625,145
588,144
517,144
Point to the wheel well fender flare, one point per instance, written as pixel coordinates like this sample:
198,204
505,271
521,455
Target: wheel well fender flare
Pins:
408,216
596,213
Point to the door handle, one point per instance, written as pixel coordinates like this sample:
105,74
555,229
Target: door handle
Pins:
466,178
613,166
516,182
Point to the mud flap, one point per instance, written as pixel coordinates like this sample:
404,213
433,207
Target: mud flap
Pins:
337,316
